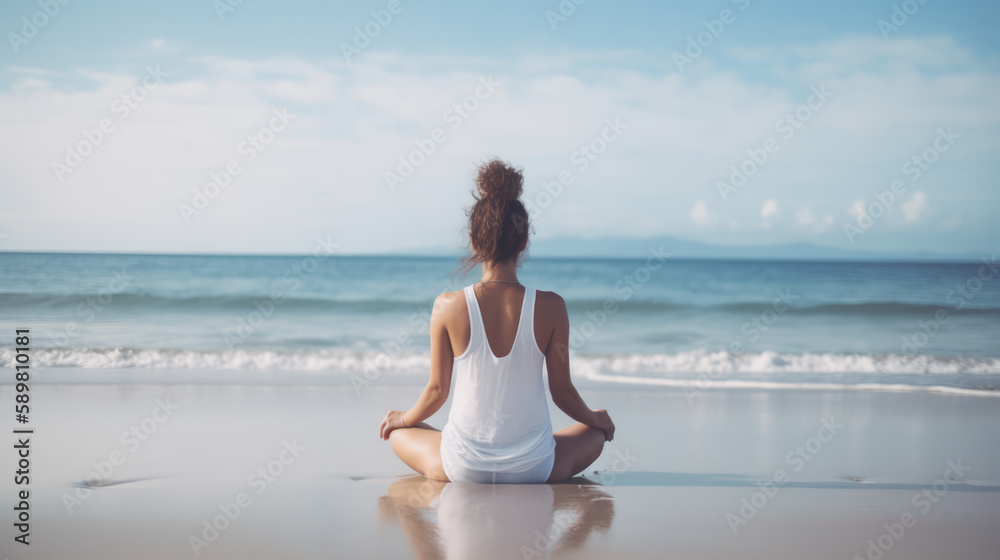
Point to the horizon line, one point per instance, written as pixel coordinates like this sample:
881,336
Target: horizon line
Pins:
857,259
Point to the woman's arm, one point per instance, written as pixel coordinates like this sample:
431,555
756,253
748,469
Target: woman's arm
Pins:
564,394
435,394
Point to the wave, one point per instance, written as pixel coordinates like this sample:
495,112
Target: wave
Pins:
702,384
889,308
154,302
337,361
697,369
721,362
159,302
747,307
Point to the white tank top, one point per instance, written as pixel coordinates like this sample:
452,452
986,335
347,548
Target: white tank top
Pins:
499,420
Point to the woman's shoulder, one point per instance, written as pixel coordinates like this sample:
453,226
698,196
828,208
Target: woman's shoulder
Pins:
549,301
449,303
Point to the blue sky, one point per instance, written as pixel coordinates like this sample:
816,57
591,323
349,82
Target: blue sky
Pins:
833,109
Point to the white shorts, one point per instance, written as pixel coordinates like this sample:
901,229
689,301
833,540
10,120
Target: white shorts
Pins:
535,475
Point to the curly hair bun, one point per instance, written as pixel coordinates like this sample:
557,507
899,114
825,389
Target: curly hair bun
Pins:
500,182
498,221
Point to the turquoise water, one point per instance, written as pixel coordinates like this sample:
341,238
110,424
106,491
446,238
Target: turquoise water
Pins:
911,323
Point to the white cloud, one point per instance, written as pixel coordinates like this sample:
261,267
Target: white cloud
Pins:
701,215
769,208
913,208
828,221
325,173
857,209
804,216
769,211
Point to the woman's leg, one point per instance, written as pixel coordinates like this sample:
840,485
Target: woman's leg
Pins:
420,448
577,447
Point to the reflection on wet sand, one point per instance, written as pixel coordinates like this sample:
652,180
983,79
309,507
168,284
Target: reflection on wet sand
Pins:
462,520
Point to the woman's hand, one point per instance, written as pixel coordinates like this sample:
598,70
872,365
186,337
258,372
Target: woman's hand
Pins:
393,421
603,422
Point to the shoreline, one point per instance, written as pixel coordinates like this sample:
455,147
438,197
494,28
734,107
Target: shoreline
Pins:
586,380
821,472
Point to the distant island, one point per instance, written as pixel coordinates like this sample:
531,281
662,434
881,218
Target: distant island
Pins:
622,247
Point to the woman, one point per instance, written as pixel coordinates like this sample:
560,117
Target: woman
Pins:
494,336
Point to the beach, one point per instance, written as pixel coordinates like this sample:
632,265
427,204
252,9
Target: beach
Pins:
161,467
758,238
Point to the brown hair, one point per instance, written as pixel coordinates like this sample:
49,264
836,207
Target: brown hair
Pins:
498,221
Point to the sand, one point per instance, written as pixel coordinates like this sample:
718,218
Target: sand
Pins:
153,470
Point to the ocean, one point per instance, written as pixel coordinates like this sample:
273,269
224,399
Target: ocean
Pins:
654,321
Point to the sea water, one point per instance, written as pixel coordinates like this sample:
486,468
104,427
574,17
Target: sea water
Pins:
633,321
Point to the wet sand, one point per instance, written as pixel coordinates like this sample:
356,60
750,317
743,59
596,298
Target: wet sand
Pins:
149,470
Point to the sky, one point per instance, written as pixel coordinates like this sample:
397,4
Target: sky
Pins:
200,126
